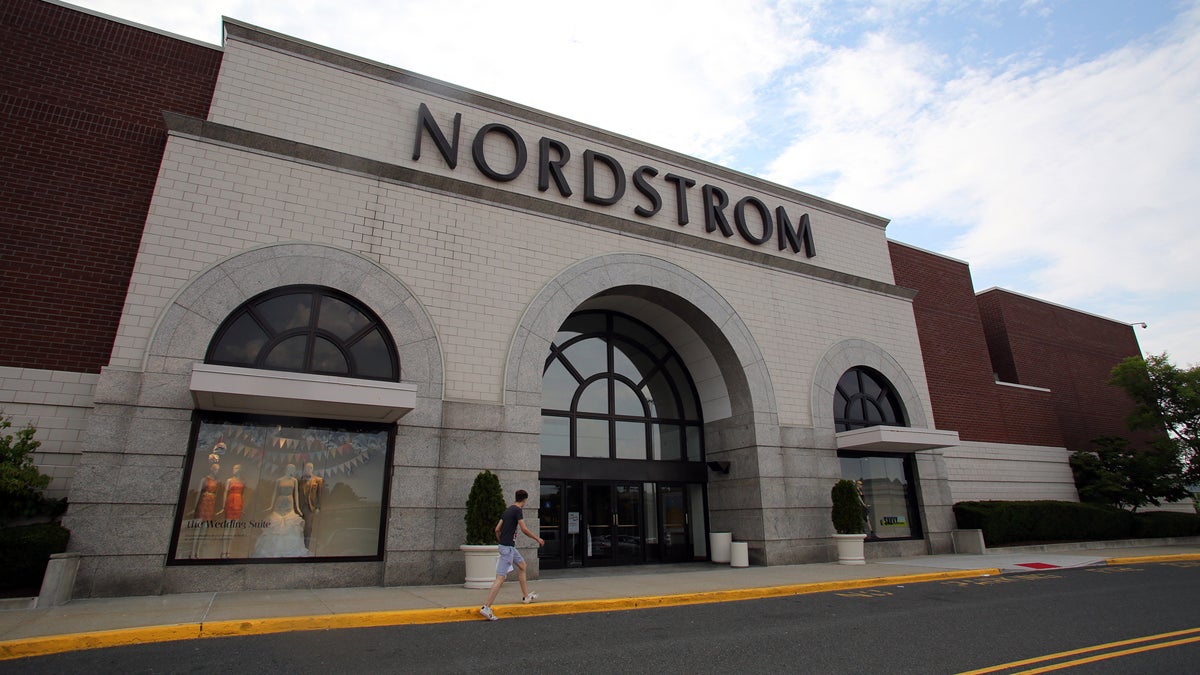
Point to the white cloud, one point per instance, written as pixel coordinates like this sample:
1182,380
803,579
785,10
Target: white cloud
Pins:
682,74
1074,183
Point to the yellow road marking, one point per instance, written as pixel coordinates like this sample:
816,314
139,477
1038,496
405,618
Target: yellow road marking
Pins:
1110,655
1086,650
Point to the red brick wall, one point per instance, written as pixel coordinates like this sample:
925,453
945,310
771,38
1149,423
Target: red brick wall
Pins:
81,139
1069,352
962,388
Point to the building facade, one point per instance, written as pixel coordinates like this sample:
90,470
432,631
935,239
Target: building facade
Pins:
346,289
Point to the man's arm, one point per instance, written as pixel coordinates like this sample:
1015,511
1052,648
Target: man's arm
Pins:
498,524
539,540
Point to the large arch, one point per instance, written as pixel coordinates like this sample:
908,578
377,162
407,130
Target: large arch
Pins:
712,339
717,348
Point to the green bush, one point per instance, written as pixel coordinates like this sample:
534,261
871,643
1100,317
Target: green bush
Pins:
847,514
25,551
485,505
1023,522
1156,524
21,482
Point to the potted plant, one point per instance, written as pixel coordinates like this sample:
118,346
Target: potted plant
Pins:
849,516
485,505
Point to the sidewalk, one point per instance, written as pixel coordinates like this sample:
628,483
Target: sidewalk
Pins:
104,622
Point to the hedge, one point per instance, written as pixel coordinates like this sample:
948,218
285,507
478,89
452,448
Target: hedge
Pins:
25,551
1027,522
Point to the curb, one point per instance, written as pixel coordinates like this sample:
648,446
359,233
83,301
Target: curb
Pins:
56,644
1176,557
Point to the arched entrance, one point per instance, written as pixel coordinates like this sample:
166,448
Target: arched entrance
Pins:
728,371
622,445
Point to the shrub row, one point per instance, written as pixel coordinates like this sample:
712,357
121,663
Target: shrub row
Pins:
1008,523
25,550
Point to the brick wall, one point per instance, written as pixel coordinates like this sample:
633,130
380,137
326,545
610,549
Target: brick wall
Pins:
1067,351
81,138
962,388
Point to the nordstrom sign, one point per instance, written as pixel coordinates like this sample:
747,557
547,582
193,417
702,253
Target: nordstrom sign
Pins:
749,217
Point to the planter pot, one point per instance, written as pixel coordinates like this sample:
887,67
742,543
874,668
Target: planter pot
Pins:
481,565
718,546
850,548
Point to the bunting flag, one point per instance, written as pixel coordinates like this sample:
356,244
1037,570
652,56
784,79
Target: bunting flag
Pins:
333,453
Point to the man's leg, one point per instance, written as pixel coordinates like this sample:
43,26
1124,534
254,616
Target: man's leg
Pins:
497,584
521,578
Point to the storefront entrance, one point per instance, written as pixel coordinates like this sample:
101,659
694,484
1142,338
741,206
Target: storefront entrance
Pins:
590,523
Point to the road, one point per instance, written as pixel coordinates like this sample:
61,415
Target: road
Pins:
938,627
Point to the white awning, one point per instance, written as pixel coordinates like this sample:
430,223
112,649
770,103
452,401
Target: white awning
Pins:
895,439
273,392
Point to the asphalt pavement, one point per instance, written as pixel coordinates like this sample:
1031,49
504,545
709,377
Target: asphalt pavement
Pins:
89,623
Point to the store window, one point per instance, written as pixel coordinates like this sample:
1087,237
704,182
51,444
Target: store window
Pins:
887,488
865,398
260,488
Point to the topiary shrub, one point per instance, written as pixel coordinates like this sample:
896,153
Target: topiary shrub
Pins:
848,514
485,505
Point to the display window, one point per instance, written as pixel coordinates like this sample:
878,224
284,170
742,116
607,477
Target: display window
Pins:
258,489
886,487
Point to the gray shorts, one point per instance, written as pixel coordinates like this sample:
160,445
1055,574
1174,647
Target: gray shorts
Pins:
509,557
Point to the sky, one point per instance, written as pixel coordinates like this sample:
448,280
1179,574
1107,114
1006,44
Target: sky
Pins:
1054,145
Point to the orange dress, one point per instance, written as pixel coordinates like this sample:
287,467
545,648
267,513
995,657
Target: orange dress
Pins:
208,498
233,499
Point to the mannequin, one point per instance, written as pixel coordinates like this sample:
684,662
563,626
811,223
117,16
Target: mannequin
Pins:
310,499
287,497
866,509
206,503
284,535
232,506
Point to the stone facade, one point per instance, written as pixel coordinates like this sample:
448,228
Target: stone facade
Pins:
473,228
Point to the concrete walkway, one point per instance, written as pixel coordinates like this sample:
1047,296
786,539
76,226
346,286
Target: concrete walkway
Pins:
104,622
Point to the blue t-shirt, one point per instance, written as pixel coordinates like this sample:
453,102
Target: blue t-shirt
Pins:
508,525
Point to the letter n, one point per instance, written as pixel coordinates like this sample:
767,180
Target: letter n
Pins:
426,122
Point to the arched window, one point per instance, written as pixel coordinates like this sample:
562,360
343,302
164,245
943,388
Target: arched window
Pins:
864,398
613,388
307,329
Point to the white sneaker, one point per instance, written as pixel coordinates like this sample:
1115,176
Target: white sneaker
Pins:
487,612
529,598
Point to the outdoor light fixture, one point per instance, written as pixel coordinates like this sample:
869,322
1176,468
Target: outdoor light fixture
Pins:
719,467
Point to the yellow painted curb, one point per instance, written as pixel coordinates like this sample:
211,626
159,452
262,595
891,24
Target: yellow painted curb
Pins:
1174,557
43,646
55,644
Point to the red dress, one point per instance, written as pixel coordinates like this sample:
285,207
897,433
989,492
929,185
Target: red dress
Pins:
233,499
208,498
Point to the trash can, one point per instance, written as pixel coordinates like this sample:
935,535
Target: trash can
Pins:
718,546
739,554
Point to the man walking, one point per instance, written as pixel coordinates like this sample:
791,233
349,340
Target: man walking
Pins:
506,534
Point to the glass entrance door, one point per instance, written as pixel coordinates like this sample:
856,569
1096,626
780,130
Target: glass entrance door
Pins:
673,514
613,513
